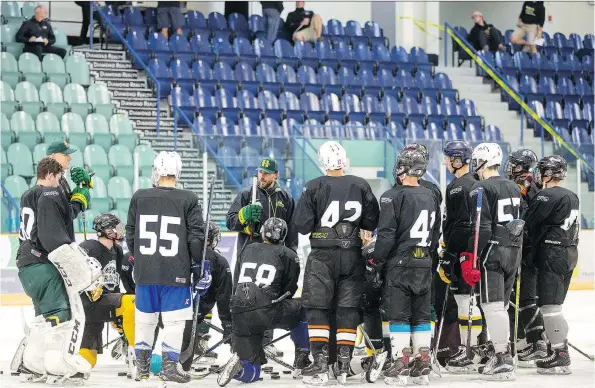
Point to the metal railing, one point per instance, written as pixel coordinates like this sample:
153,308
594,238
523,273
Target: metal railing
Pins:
150,74
12,221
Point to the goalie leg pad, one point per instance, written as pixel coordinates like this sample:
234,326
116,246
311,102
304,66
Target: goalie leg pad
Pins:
33,355
61,356
78,270
126,311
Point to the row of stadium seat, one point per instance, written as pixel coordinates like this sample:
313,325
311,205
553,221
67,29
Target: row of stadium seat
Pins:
554,65
13,13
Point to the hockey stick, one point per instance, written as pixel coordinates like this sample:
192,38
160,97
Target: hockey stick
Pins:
378,360
517,299
592,358
475,247
83,216
189,351
434,355
252,202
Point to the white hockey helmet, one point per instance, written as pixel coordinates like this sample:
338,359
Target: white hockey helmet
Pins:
487,155
166,164
332,156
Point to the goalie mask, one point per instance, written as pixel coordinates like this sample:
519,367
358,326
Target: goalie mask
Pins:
486,155
109,226
410,163
214,235
332,156
274,230
166,164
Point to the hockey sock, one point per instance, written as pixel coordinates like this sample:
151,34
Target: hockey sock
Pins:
497,321
347,321
531,320
400,337
145,331
126,311
89,355
432,320
556,327
476,321
318,329
299,334
386,335
421,335
249,373
172,339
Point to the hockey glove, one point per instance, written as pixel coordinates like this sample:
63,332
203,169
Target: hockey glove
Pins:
226,331
202,286
80,176
95,294
470,274
250,214
446,267
81,195
373,274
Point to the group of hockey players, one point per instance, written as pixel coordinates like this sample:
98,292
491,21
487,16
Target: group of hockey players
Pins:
377,268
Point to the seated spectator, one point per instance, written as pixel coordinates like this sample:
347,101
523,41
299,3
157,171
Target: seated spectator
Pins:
484,36
529,26
169,15
271,11
38,36
303,25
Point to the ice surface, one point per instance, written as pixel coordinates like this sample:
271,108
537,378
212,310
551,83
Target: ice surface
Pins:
579,309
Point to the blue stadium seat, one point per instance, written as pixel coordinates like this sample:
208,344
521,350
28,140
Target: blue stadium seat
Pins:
196,20
224,51
267,101
201,70
504,63
283,49
472,133
381,54
523,62
396,129
415,131
159,68
401,57
139,45
418,56
390,105
544,66
181,74
564,46
334,27
180,97
492,133
310,104
361,53
344,55
306,75
238,22
291,105
216,21
306,53
264,51
256,23
181,48
373,31
159,47
202,98
554,112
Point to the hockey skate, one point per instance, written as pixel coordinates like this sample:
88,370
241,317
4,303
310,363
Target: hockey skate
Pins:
398,372
201,350
143,364
229,371
535,351
459,363
343,365
318,372
171,371
557,363
499,367
374,366
420,371
300,361
130,362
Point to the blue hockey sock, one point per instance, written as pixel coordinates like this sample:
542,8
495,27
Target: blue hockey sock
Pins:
299,336
249,373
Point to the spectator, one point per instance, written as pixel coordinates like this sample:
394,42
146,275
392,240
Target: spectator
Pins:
271,11
169,15
38,36
303,25
529,26
484,36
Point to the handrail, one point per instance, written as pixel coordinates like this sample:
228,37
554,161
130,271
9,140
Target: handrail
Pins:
218,160
12,204
503,83
134,54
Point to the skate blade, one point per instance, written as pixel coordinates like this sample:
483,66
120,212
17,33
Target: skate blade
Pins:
503,376
372,374
400,381
558,370
465,370
318,380
526,364
35,378
421,380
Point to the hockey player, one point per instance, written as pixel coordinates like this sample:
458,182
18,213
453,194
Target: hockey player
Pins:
264,285
165,235
53,270
553,222
456,233
219,292
332,209
106,303
499,251
402,257
521,170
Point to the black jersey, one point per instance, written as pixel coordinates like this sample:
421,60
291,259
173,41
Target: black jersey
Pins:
165,234
527,199
438,198
46,224
333,209
407,217
554,216
66,193
221,287
458,214
110,260
501,204
275,269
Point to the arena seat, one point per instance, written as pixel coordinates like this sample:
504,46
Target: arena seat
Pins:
51,96
24,127
28,97
8,105
19,156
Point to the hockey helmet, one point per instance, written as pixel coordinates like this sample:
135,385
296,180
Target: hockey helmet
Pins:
486,155
458,149
332,156
411,163
553,166
108,225
167,163
214,235
420,148
520,162
274,230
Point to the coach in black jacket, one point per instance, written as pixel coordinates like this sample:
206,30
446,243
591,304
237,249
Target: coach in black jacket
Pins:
38,36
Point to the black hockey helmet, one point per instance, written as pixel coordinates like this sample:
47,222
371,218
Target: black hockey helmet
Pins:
420,148
553,166
108,225
458,151
409,162
214,235
274,230
522,161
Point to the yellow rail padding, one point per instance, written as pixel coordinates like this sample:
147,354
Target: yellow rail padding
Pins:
504,87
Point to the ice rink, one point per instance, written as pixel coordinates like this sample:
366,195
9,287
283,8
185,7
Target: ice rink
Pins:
579,309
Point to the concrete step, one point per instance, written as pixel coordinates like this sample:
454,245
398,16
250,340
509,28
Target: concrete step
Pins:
491,98
455,70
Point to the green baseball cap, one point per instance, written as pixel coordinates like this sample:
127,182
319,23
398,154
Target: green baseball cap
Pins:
60,147
268,165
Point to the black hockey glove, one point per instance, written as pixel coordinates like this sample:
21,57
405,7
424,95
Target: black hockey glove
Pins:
446,265
227,331
373,274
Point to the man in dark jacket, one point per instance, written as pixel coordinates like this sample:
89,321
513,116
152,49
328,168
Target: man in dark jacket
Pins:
303,25
38,36
271,11
484,36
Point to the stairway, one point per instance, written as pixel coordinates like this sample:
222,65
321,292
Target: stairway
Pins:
132,96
